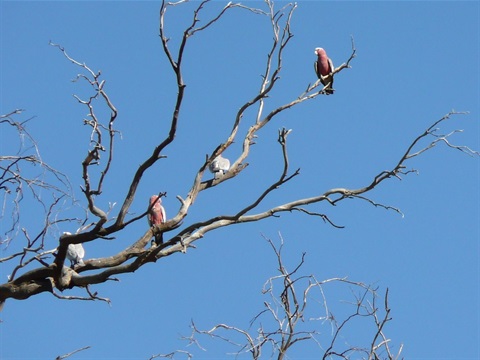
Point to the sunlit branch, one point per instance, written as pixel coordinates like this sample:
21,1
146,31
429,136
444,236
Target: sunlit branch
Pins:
176,67
332,196
61,357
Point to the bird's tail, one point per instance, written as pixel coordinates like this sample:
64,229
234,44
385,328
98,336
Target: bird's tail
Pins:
159,239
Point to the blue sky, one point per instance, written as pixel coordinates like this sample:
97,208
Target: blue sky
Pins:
416,61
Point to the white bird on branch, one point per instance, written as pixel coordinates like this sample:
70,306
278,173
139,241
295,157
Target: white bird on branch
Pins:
75,253
219,166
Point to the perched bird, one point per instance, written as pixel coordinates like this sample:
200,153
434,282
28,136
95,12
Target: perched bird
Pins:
324,69
156,216
219,166
75,253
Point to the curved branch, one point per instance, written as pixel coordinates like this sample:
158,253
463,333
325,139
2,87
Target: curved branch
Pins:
332,196
61,357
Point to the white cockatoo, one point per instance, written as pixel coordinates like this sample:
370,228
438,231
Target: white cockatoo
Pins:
219,166
75,253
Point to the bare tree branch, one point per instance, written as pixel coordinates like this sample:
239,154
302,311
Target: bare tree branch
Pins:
23,176
285,321
96,137
60,357
172,355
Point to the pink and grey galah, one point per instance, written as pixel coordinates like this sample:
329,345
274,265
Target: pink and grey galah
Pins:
156,216
324,69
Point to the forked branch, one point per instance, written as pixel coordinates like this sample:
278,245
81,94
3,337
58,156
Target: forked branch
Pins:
289,318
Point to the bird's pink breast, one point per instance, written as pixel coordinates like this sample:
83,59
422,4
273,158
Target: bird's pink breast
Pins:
322,62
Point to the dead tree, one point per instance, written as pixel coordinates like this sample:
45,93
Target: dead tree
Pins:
298,312
51,274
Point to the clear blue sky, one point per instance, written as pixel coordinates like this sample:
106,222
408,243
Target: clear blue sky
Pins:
415,62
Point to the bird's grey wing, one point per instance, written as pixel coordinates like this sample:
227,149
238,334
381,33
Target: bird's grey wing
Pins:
315,67
330,62
213,167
